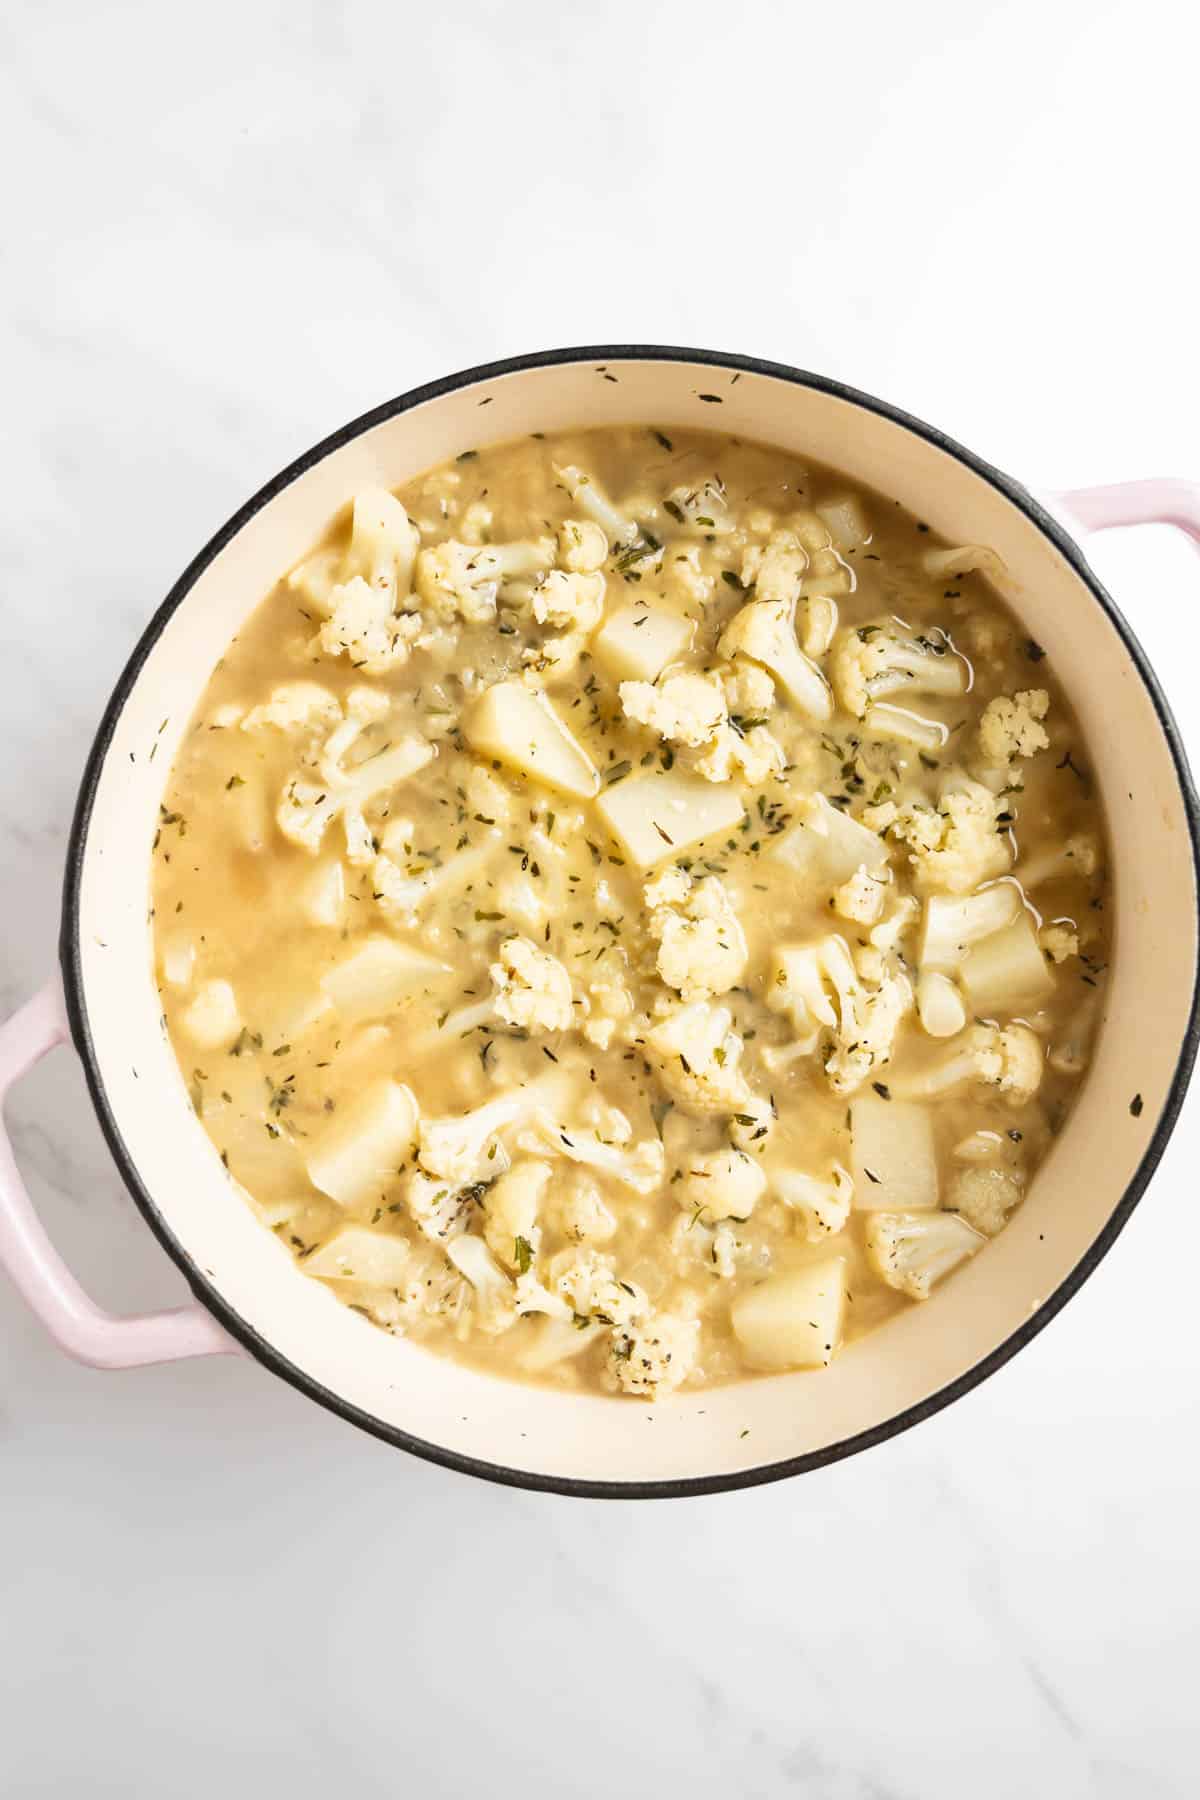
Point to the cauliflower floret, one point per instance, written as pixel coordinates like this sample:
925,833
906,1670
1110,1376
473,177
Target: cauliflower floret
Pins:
609,1007
861,898
872,661
463,580
463,1148
596,504
655,1356
820,990
777,569
880,816
765,632
752,757
441,1206
726,1185
670,888
574,600
533,990
553,658
494,1308
364,628
887,934
699,1057
582,546
577,1208
702,948
1079,855
940,1006
1012,728
1059,941
1008,1061
959,845
911,1251
293,706
587,1281
459,581
690,710
749,692
685,709
307,806
684,577
985,1197
703,508
822,1207
638,1166
511,1207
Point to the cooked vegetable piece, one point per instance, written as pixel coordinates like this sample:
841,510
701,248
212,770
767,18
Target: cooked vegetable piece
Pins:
1006,971
636,643
375,977
358,1253
521,728
664,813
895,1162
793,1321
357,1157
826,846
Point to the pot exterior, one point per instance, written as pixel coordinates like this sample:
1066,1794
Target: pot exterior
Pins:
752,1431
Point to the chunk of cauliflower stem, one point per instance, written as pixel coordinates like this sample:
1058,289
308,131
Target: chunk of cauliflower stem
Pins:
1008,1060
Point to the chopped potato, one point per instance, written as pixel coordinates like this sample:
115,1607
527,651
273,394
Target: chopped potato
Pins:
793,1321
521,729
637,642
659,815
358,1156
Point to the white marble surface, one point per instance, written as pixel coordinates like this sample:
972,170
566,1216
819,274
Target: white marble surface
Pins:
229,228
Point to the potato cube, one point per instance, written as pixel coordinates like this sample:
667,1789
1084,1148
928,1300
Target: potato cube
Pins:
212,1020
1007,970
376,976
521,728
825,847
638,642
357,1253
663,813
793,1320
358,1156
895,1164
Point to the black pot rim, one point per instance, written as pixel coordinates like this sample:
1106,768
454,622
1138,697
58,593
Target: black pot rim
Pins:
206,1291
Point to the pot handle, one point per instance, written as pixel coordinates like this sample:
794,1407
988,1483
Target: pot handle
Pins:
1161,501
74,1321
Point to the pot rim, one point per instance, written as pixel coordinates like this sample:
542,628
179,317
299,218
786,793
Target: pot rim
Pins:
208,1293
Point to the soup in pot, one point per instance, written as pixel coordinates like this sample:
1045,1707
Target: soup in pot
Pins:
631,909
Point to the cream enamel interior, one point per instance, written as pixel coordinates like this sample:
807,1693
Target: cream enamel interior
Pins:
710,1433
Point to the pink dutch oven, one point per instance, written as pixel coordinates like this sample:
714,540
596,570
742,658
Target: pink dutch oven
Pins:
250,1298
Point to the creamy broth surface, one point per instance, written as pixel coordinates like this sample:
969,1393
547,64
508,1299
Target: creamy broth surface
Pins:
631,910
